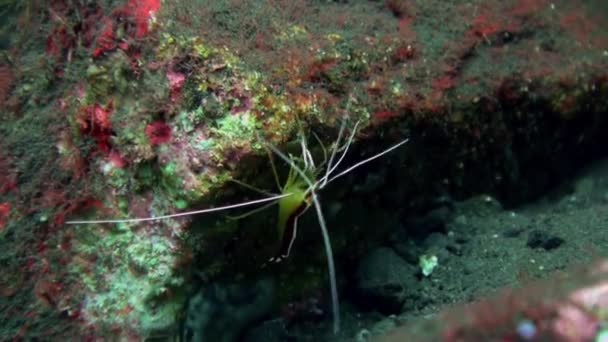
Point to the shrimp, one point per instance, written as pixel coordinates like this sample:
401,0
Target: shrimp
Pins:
299,192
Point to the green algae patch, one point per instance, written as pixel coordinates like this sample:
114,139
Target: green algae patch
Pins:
133,281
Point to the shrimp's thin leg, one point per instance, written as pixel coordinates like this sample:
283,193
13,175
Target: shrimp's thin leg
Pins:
274,168
309,163
293,166
331,268
187,213
251,187
322,148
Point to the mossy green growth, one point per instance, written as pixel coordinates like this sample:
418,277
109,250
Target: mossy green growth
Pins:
109,77
171,183
145,175
116,177
131,279
293,33
200,49
204,145
236,129
172,46
167,184
187,121
207,183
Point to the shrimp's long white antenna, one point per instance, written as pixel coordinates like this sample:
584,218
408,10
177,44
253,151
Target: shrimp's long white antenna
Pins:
325,180
187,213
251,212
331,268
367,160
333,151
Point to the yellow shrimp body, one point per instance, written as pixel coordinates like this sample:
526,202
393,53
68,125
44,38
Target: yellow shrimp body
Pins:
290,208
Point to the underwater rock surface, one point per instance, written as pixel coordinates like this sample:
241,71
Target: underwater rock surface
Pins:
137,109
222,311
384,279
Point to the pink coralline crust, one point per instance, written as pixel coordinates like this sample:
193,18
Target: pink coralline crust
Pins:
525,8
485,25
8,184
382,116
6,81
176,83
58,41
579,318
117,160
567,307
176,80
5,210
102,116
142,11
444,83
106,41
138,11
158,132
95,121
